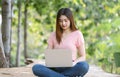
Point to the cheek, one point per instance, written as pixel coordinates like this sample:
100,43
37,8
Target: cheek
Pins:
68,23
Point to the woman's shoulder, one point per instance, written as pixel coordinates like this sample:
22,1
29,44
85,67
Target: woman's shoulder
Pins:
77,32
53,34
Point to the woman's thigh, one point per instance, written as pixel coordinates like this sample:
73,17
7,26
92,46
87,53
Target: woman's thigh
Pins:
80,69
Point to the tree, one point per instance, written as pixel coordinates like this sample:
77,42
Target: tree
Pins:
12,2
6,26
19,32
25,29
3,61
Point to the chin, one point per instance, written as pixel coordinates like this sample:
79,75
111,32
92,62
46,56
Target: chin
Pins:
64,28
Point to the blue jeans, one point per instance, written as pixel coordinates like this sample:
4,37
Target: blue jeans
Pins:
79,70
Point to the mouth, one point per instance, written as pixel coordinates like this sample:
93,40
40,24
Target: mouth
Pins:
64,26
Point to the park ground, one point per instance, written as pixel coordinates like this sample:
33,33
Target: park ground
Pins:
26,71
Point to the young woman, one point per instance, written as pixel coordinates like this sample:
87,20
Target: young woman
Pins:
69,37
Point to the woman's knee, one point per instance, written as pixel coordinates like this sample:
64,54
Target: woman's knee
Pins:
84,66
36,68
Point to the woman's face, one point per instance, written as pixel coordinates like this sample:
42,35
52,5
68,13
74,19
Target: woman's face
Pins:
64,22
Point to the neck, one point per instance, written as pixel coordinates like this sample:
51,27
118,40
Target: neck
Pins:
66,31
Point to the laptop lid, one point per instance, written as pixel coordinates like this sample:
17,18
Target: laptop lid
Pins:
58,58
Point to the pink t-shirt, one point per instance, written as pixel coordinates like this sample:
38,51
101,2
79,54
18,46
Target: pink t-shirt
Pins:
72,41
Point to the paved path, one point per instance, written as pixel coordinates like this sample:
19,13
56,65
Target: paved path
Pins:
94,71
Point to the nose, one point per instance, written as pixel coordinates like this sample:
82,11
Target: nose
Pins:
63,23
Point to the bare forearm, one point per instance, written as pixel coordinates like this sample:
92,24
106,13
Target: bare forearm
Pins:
80,59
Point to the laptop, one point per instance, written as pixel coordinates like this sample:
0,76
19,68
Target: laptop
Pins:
58,58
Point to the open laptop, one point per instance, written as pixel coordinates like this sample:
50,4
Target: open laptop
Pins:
58,58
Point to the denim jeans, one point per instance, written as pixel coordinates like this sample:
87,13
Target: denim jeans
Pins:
78,70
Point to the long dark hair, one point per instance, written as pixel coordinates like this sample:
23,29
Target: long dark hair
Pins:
68,13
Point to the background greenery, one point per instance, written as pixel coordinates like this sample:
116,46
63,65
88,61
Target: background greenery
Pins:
99,20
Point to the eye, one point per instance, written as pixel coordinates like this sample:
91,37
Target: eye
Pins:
66,20
59,20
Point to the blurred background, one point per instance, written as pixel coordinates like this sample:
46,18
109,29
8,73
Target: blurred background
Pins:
99,21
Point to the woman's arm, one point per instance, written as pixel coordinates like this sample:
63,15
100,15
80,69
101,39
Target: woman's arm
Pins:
81,53
50,46
50,41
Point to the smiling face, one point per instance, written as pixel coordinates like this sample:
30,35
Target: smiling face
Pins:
64,22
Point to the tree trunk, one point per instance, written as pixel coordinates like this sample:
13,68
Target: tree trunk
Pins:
19,33
25,30
0,19
12,2
3,61
6,26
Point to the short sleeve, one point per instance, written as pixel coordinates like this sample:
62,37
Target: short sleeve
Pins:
50,39
80,40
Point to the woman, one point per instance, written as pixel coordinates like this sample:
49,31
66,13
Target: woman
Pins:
69,37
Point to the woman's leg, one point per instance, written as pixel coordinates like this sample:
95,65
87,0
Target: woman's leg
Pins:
79,70
42,71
